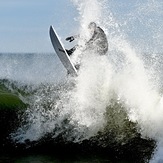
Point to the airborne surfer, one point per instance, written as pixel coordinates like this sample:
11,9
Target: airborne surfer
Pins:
98,41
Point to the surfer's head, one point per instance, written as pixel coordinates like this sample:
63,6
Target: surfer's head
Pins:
92,26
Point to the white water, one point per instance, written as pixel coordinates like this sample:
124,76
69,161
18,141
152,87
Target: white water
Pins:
31,68
132,80
123,72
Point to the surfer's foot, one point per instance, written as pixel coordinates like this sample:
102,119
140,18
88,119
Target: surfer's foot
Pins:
69,52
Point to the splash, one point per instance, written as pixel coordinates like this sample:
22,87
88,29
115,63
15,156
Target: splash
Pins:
77,108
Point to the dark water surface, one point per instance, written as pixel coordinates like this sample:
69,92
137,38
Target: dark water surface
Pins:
43,158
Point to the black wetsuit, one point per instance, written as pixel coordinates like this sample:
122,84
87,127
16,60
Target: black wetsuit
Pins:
98,42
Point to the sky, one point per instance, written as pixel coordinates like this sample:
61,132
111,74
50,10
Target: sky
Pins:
24,24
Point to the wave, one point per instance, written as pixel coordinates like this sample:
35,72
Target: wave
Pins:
116,98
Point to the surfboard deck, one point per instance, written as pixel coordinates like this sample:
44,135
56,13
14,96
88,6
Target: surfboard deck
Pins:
61,52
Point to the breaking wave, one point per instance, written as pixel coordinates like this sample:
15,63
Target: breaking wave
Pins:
123,85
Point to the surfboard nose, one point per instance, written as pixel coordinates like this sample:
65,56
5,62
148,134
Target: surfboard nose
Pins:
50,30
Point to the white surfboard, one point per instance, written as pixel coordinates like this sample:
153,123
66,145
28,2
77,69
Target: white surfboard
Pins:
61,52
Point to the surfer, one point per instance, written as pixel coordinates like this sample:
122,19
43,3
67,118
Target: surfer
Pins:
98,41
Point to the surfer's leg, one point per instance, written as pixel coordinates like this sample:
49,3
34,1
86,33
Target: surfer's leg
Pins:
69,52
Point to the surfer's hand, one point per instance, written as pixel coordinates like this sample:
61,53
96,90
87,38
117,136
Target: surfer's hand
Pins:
70,39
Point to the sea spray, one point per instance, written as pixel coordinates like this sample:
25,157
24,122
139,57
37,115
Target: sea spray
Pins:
31,68
132,82
77,109
80,102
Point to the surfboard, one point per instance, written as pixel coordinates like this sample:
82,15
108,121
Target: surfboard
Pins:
61,52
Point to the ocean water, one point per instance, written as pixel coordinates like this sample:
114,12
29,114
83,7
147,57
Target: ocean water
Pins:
113,110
